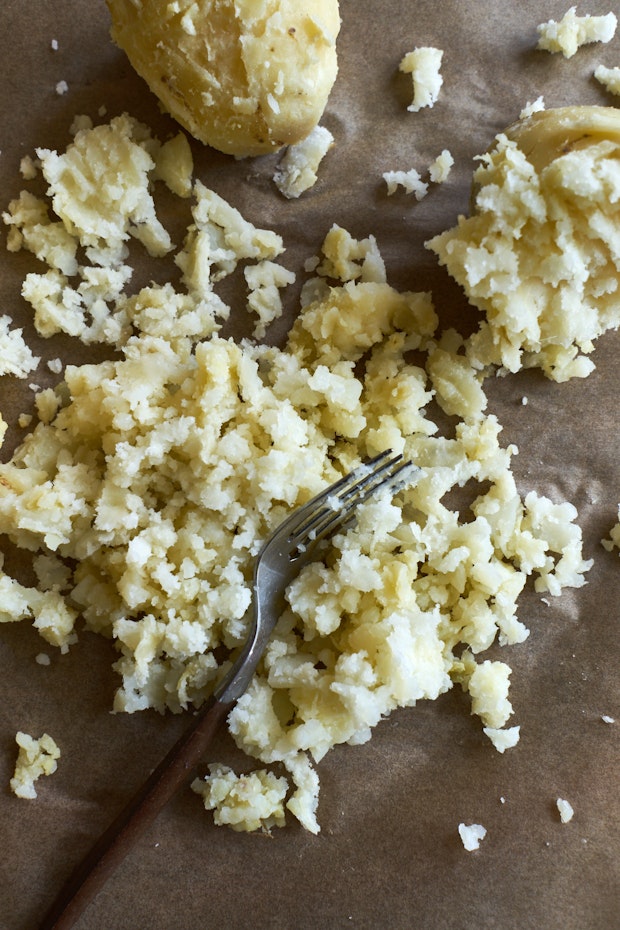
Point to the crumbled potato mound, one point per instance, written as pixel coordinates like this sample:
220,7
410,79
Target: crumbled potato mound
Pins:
539,256
572,31
36,757
424,66
151,480
243,802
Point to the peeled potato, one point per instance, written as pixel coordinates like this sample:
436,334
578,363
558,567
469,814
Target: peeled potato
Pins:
546,134
244,76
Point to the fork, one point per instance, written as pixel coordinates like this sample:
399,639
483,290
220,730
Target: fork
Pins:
297,541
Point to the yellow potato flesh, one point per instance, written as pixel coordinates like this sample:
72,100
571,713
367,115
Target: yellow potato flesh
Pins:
243,76
545,135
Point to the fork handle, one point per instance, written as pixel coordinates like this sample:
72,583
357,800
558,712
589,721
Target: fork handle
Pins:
111,848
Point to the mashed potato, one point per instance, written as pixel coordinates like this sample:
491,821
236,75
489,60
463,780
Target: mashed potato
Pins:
151,479
539,254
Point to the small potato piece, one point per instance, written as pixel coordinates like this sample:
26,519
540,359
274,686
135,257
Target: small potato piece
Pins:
243,76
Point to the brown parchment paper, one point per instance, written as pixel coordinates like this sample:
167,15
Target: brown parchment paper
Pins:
389,854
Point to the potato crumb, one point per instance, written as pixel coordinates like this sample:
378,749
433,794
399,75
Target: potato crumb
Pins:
36,757
298,168
410,180
609,78
488,688
472,835
28,168
15,356
572,32
503,739
424,66
265,279
565,810
174,164
61,88
243,802
439,169
536,106
42,658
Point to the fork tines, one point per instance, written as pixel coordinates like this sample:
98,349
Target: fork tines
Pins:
385,471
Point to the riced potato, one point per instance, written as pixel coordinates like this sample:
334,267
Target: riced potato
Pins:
151,479
243,77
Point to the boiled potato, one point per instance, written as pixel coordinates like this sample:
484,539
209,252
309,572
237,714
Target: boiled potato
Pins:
547,134
244,76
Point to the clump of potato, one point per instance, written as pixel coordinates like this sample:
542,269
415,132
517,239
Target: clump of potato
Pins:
246,77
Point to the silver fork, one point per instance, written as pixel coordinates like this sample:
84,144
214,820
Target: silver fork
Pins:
295,542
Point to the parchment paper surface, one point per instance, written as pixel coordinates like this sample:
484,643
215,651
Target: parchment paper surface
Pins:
389,854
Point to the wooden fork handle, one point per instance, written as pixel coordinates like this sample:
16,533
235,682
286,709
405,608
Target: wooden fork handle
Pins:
111,848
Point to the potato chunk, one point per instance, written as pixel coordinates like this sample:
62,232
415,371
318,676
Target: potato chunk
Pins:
243,76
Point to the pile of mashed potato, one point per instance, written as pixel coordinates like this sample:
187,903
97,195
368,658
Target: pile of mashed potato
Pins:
540,253
151,479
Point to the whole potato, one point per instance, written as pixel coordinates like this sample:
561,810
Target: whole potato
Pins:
244,76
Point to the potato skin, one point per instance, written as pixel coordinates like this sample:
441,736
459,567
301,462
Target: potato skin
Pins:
243,76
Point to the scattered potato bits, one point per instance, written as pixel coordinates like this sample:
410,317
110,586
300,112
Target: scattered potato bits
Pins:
151,479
